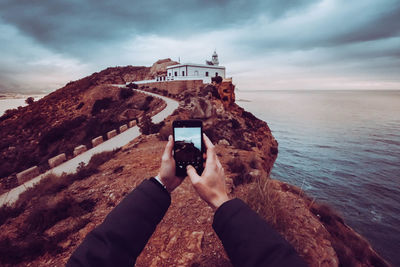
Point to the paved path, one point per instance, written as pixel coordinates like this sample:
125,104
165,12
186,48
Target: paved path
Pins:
70,166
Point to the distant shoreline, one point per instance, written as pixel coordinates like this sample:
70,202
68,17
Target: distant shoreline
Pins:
12,101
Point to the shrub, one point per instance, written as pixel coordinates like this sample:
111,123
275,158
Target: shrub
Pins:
253,162
217,79
165,132
146,126
30,242
125,93
29,100
60,132
100,104
235,165
133,85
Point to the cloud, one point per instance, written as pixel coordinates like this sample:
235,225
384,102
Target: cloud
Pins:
292,44
76,27
26,66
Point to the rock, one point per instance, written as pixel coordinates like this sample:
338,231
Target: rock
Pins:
111,134
79,150
123,128
65,243
195,240
226,91
97,141
223,142
156,262
57,160
164,255
186,259
28,174
160,67
87,229
255,173
201,108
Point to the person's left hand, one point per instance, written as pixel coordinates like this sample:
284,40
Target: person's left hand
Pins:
167,170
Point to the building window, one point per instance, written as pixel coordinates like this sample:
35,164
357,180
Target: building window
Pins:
196,73
206,73
169,73
176,73
183,73
216,74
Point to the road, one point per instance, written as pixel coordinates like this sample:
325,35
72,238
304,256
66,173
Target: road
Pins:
70,166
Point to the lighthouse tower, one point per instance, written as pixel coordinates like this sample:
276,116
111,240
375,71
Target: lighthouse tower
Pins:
215,59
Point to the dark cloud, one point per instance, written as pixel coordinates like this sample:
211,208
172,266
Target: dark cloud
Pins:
69,25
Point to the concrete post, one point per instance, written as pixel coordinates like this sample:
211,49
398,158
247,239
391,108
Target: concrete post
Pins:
97,141
57,160
111,134
123,128
79,150
132,123
27,175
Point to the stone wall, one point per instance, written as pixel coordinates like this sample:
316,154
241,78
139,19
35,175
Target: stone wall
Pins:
176,87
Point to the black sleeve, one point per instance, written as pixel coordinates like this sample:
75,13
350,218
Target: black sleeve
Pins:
119,240
249,240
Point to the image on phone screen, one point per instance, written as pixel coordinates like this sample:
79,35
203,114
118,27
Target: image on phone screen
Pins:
188,145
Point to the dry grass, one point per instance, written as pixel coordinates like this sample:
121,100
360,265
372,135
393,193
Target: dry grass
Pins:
42,214
263,199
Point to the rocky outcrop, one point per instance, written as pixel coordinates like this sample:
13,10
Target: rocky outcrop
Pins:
226,91
160,67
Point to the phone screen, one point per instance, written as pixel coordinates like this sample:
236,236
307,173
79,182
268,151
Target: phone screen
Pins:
188,145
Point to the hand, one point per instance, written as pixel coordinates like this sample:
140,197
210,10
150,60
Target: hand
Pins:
211,184
167,170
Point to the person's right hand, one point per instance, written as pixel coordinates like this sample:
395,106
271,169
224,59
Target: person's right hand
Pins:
211,184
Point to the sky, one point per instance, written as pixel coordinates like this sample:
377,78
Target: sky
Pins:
264,44
189,134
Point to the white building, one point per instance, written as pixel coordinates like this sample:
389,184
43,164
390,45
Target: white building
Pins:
191,71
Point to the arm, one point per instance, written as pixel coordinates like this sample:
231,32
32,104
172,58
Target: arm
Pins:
247,239
119,240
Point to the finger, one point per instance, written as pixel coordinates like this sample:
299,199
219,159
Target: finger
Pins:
211,156
219,165
168,148
191,172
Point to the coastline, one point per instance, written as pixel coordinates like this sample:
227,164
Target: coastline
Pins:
13,101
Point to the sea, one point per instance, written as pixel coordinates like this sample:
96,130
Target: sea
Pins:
12,101
343,149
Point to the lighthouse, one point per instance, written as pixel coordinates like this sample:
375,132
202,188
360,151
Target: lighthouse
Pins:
215,59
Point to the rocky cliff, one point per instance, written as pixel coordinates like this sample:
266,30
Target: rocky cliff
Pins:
53,220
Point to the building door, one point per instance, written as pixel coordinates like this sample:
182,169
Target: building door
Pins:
216,74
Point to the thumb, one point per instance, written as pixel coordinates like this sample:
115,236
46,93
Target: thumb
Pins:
191,171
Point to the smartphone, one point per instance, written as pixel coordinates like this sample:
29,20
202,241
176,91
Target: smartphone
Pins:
188,145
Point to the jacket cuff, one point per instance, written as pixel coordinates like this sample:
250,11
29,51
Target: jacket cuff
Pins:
226,211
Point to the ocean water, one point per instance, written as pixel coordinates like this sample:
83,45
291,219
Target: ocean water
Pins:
342,148
11,102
